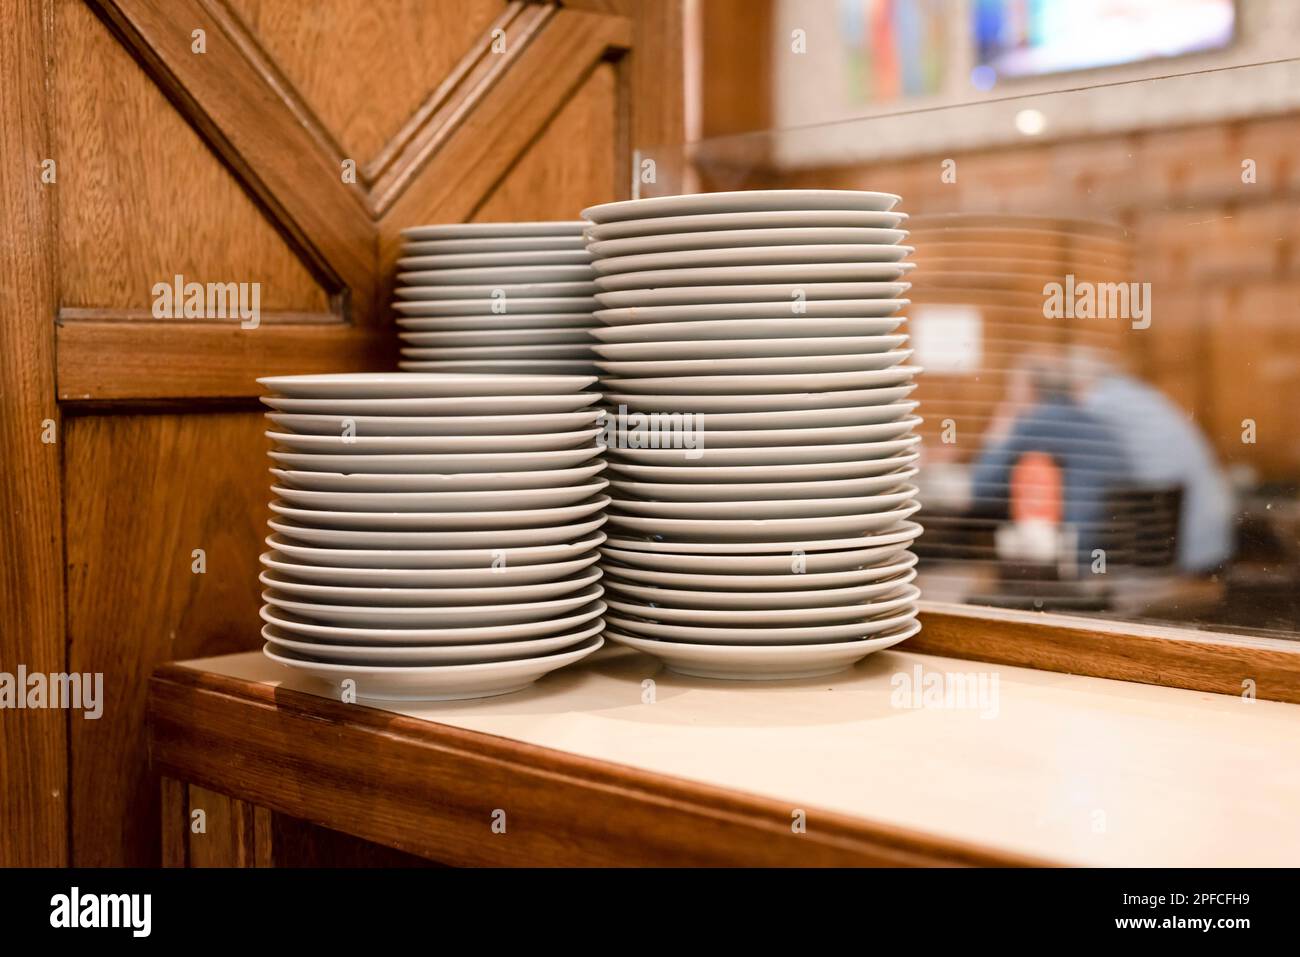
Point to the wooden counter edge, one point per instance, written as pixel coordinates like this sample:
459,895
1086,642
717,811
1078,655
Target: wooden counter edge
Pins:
432,790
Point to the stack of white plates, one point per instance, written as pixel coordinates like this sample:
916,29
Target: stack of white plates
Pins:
435,535
495,297
761,441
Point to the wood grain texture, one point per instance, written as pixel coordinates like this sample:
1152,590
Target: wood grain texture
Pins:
549,181
33,787
430,789
141,197
101,361
235,96
144,491
174,821
1150,654
228,837
507,119
365,68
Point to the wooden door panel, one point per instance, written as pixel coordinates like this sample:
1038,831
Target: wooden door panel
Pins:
555,180
141,198
228,165
143,492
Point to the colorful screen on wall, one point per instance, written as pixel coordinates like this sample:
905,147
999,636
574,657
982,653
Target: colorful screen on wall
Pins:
893,48
1032,37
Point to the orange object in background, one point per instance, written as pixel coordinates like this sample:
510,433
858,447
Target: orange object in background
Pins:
1036,493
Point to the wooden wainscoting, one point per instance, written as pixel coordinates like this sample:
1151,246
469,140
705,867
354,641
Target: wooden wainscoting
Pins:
234,141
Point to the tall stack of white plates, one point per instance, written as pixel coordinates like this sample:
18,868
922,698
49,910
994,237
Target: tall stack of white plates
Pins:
761,438
435,534
495,297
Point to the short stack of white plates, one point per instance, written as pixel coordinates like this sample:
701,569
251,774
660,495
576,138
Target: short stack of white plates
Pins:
435,535
496,297
761,438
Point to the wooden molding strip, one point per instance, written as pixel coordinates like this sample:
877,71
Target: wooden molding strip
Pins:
507,117
33,744
1157,655
172,359
430,789
455,98
241,105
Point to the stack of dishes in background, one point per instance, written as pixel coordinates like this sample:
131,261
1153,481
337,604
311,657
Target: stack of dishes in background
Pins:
495,297
435,535
761,442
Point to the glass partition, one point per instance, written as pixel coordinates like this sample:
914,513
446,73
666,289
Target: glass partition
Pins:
1105,302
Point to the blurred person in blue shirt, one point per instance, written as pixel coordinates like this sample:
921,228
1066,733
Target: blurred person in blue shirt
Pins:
1041,414
1163,447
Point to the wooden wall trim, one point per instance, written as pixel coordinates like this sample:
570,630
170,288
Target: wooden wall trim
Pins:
451,104
251,117
1150,654
33,743
440,785
505,119
113,361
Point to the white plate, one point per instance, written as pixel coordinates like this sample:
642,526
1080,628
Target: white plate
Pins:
497,292
776,402
696,349
755,598
473,540
760,365
717,439
496,275
788,551
461,339
760,219
552,350
722,457
712,276
870,550
512,499
811,492
802,472
391,385
408,597
377,425
783,293
759,384
431,482
806,418
445,464
430,655
740,201
365,445
575,305
663,242
751,256
890,600
507,324
334,634
433,616
747,586
493,230
553,366
438,682
502,244
785,329
764,663
760,635
520,257
768,508
453,521
291,569
428,560
443,406
791,313
736,531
